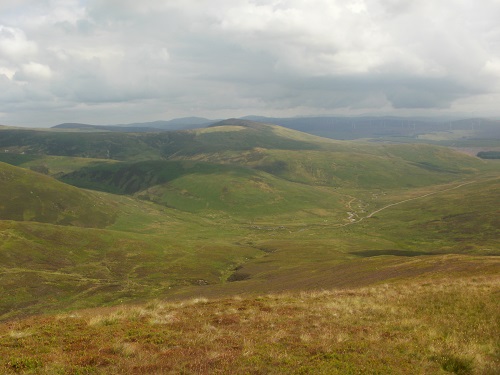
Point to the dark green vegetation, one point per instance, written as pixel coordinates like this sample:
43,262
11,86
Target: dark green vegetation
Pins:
206,187
147,146
246,209
489,154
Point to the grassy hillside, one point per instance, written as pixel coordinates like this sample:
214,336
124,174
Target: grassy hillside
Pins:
401,239
50,165
357,165
205,187
282,219
30,196
388,237
410,327
466,218
147,146
147,252
272,148
103,145
151,251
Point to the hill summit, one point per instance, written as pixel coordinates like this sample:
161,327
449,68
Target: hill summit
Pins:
240,122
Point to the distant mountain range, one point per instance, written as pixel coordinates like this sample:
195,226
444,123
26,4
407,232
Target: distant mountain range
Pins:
383,127
346,128
153,126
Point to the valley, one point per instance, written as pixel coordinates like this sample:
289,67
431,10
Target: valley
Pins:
245,229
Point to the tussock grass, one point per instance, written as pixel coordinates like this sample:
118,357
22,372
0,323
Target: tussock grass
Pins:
446,325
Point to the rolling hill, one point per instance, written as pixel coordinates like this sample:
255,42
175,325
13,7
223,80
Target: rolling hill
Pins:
30,196
401,238
153,126
209,188
62,247
147,146
402,129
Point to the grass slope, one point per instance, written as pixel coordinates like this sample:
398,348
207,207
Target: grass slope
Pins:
305,243
147,146
152,252
301,213
144,254
103,145
407,238
356,165
30,196
205,187
461,219
411,327
50,165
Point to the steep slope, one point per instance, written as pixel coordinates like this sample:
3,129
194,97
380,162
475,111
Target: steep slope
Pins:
30,196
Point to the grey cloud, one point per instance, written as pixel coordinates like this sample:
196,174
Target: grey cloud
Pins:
241,56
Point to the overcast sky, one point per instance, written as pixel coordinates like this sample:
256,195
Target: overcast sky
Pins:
123,61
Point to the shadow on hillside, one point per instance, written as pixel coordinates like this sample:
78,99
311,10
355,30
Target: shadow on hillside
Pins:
399,253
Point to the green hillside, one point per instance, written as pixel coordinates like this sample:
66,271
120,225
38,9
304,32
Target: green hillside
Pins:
205,187
147,251
461,219
30,196
104,145
45,267
50,165
147,146
357,165
250,248
238,208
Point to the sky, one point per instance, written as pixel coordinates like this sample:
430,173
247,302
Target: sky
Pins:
125,61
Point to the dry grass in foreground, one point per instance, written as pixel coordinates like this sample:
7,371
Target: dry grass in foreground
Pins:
438,327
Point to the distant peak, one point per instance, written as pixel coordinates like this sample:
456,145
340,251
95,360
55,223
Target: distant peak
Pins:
239,122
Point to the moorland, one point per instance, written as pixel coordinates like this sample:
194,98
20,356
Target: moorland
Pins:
248,247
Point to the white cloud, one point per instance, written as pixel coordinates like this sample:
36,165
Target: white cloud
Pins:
14,45
33,71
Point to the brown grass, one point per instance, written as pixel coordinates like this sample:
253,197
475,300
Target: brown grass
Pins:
441,326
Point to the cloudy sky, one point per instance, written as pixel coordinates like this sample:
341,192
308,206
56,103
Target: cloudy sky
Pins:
123,61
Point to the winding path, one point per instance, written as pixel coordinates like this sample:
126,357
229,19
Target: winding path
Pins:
404,201
420,196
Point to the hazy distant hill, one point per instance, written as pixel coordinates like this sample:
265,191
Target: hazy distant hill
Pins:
147,146
389,127
452,132
110,128
154,126
223,142
175,124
